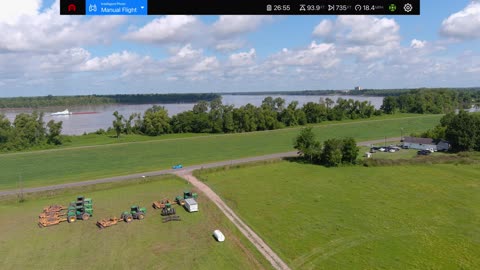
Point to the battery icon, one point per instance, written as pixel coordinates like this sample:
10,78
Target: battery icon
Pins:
269,7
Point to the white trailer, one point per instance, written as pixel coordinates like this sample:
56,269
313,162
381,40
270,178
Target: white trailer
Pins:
191,205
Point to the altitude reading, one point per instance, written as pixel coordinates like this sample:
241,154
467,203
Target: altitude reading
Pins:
342,7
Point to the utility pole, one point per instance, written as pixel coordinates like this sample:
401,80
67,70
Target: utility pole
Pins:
21,197
385,141
401,134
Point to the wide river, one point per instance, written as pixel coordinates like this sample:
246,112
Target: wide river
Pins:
80,123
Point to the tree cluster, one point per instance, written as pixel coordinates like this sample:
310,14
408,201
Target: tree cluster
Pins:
27,131
461,130
332,153
215,117
433,101
67,101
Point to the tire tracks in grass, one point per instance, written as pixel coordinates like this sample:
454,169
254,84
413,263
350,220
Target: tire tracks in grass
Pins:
342,244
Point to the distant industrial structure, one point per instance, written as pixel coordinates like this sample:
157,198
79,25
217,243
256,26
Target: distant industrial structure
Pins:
358,88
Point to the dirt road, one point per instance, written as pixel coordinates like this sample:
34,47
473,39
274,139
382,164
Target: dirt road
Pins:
170,171
262,247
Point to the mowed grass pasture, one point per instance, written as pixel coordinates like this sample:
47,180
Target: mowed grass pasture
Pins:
40,168
146,244
397,217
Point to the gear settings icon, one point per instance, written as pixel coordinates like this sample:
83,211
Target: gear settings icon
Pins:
408,7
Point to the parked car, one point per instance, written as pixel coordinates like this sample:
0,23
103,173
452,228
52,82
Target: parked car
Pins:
178,166
381,149
405,146
393,149
424,152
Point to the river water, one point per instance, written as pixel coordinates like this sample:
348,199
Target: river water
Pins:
80,123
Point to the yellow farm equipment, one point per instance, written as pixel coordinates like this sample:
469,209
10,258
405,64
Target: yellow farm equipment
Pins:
52,215
104,223
161,204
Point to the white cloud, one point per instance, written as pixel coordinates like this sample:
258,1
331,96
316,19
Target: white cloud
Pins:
322,55
230,25
324,28
114,61
368,38
418,44
474,70
185,56
464,24
367,30
47,31
243,58
208,64
168,29
11,11
229,45
223,35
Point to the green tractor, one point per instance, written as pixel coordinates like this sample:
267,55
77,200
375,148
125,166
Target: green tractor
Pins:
186,195
80,209
168,210
136,212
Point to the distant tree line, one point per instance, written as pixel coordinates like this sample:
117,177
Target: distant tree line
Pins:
461,130
67,101
215,117
429,101
27,131
332,153
475,91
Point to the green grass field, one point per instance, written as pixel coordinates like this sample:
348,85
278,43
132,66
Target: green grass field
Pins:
76,164
147,244
401,217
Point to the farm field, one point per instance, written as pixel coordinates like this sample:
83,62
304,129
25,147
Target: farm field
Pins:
57,166
146,244
400,217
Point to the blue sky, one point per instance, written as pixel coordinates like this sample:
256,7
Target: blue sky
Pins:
44,53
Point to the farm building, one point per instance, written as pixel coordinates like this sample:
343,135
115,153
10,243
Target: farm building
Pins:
425,144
